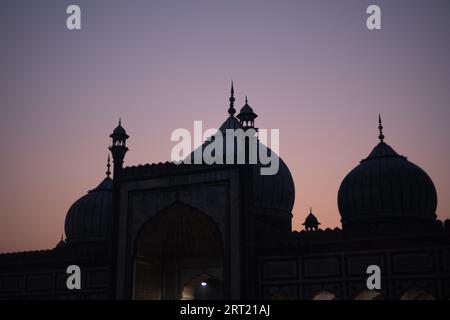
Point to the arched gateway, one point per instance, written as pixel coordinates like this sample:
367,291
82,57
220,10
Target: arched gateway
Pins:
174,247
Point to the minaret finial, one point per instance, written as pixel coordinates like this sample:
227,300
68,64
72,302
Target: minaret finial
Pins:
231,109
380,128
108,166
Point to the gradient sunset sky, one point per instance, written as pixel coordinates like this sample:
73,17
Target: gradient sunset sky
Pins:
310,68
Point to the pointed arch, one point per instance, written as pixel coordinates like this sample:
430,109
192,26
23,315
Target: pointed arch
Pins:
175,244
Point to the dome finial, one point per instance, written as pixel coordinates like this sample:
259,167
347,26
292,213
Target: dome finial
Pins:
120,121
62,236
108,166
246,100
310,210
380,128
231,109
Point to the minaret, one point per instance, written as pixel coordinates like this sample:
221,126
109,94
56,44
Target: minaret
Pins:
246,116
118,148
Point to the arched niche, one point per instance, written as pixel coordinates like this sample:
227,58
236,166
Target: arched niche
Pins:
324,295
174,245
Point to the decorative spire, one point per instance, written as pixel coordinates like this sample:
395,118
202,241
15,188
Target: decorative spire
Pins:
380,128
231,109
108,166
246,100
120,121
310,210
62,237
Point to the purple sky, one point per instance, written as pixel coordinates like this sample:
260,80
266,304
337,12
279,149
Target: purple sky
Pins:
309,68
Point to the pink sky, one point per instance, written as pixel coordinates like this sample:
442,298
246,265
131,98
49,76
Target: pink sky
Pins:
309,68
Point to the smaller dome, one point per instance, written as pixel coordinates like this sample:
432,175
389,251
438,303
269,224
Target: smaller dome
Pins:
311,222
246,109
386,188
90,217
119,132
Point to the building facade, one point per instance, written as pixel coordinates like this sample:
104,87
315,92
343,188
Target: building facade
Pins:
224,231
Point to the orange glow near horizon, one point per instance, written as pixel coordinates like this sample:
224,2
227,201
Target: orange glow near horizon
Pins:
311,70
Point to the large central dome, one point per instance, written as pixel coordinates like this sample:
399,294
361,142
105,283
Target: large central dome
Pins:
273,195
386,188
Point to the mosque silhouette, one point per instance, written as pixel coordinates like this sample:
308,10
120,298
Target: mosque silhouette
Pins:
224,231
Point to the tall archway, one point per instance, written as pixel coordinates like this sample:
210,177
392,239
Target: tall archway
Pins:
174,246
